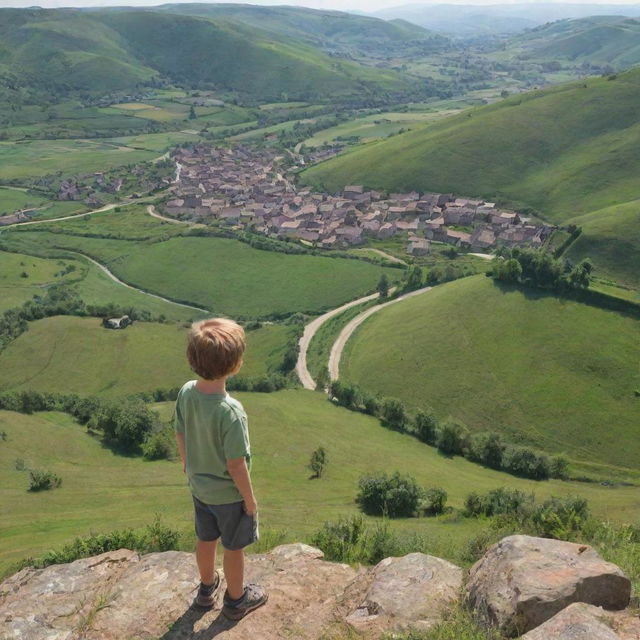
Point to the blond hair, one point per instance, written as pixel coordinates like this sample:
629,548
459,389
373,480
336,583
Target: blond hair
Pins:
215,348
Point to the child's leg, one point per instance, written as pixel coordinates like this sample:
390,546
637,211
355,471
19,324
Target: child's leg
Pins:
234,573
206,559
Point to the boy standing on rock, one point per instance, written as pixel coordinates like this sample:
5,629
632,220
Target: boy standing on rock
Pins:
213,440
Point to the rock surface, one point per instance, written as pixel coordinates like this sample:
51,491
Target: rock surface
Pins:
581,621
415,590
521,582
122,595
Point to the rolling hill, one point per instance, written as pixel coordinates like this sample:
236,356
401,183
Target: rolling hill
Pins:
561,153
102,491
601,40
523,363
333,31
102,51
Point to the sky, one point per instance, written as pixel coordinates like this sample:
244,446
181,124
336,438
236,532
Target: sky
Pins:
344,5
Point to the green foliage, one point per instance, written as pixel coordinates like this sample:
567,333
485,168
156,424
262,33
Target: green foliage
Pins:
559,467
560,518
452,437
501,501
383,286
160,445
41,480
435,501
393,413
395,496
425,426
486,448
521,461
318,462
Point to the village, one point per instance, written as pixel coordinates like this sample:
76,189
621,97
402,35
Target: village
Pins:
242,187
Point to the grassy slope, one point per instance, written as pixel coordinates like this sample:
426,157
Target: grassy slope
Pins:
529,365
563,151
76,355
226,276
611,238
102,491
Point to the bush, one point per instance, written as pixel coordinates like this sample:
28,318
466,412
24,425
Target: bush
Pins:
486,448
560,518
397,496
41,480
393,413
371,404
559,467
435,501
500,501
426,426
452,438
160,445
526,463
318,462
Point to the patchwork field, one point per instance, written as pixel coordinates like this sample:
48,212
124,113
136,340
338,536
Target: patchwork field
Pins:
102,491
68,354
225,276
521,362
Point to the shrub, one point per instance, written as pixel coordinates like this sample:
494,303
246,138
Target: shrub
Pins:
3,435
526,463
371,404
341,541
160,445
452,438
500,501
559,467
41,480
396,496
486,448
393,413
426,426
435,501
318,462
20,465
560,517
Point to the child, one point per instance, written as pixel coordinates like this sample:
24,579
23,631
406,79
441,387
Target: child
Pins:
213,440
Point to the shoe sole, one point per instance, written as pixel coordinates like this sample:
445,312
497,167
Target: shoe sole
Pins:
237,614
204,604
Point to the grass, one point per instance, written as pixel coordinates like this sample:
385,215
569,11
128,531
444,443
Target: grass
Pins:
223,275
68,354
102,491
611,238
581,144
524,363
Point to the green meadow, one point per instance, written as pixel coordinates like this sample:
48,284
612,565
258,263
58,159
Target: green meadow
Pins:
555,374
102,491
223,275
67,354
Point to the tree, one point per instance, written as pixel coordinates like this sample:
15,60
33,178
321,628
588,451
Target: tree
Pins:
397,496
426,426
383,286
504,93
435,501
318,462
486,448
393,413
452,438
414,278
192,113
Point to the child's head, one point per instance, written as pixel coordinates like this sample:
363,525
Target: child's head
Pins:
215,348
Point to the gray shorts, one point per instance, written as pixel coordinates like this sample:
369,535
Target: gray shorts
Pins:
227,521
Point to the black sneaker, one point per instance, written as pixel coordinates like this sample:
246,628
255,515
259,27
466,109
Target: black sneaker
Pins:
254,597
207,593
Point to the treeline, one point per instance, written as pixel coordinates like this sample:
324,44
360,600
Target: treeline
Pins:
61,300
452,437
539,269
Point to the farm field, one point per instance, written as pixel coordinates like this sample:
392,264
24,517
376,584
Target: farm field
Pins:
519,362
226,276
102,491
67,354
12,200
23,276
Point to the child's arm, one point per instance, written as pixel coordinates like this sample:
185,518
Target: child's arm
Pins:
239,473
181,449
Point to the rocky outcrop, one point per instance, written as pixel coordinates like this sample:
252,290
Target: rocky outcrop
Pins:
581,621
121,595
521,582
412,591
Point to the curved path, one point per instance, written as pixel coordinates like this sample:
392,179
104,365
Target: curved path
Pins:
310,330
347,332
151,210
124,284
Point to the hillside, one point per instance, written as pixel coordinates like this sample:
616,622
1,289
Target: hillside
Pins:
285,428
519,362
67,354
63,51
600,40
333,31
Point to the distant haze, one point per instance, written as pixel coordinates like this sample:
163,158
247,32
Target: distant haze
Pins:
368,6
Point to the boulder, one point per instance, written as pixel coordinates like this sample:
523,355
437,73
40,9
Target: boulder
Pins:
581,621
413,591
521,582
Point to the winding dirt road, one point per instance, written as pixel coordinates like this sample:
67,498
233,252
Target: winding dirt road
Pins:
347,332
151,210
310,330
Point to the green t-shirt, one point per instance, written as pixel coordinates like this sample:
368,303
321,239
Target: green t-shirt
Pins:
215,430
